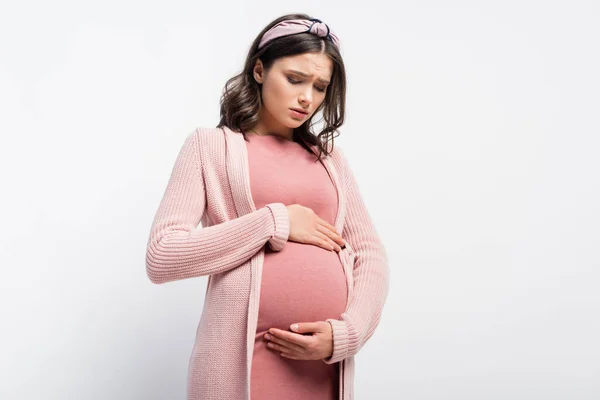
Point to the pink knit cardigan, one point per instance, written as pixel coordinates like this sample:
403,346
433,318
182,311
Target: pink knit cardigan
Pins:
209,185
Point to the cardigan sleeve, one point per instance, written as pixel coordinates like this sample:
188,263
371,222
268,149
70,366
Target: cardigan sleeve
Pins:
178,249
370,273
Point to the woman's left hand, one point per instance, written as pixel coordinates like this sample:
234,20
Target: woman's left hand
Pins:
295,345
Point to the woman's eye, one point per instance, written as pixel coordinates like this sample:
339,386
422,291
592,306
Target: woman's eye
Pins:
293,82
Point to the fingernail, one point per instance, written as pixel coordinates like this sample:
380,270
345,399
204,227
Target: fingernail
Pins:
268,337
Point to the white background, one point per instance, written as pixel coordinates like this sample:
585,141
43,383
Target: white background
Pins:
472,128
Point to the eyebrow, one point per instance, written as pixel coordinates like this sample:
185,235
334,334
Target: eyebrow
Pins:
307,76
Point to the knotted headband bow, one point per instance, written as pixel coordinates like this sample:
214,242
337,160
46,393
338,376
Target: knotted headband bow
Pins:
292,26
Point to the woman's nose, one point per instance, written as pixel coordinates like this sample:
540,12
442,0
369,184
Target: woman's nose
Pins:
306,98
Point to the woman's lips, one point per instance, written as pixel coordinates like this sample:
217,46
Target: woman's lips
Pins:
298,114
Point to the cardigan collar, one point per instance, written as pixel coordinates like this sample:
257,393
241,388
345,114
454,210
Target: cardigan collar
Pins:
238,172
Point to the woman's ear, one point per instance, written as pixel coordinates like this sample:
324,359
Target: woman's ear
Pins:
258,71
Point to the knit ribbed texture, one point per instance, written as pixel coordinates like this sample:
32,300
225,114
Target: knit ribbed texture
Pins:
209,185
282,225
177,250
370,273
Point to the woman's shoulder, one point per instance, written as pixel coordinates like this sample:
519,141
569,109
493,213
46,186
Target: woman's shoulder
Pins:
205,143
337,155
207,132
205,137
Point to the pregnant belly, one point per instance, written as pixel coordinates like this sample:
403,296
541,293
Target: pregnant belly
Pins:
300,283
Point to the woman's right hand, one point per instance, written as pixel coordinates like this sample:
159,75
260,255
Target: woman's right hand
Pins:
307,227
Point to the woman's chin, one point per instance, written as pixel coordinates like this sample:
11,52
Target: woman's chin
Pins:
295,123
291,124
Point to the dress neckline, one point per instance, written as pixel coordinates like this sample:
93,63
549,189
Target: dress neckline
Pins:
272,137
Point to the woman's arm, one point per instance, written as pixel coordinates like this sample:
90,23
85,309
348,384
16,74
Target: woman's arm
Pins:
178,249
371,275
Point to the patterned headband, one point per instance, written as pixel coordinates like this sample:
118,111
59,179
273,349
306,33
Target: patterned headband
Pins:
292,26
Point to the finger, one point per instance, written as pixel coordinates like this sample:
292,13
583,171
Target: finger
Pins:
285,343
292,356
304,327
330,231
326,224
292,337
331,237
326,241
318,239
280,348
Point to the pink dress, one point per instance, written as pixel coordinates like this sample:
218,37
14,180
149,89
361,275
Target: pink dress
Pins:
300,283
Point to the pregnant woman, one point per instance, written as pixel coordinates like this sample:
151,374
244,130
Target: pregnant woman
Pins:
297,274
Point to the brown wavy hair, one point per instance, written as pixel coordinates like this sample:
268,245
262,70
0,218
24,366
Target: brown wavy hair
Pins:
241,99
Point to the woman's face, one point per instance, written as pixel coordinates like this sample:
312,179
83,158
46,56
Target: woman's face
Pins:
295,82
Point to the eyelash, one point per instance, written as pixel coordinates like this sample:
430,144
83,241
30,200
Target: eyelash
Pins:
293,82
